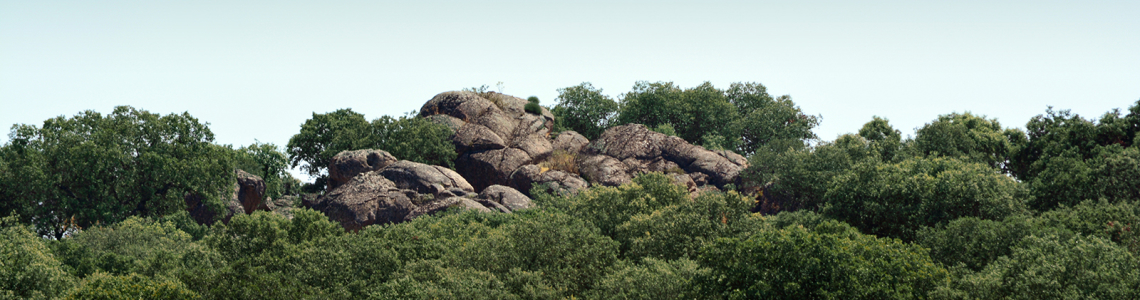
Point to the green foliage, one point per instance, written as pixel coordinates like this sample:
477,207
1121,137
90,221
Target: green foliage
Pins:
325,135
88,169
1067,159
135,245
666,129
830,261
28,269
767,123
269,163
974,243
584,255
407,138
882,138
269,256
609,207
103,286
429,279
1054,267
679,230
966,137
799,179
414,139
533,108
584,109
1117,222
693,112
652,279
894,200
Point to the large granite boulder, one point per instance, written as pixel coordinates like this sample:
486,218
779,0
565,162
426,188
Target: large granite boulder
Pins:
250,192
445,204
508,197
490,167
554,181
643,150
604,170
367,199
494,135
348,164
424,178
570,141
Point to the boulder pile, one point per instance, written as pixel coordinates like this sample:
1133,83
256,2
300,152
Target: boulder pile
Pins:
503,153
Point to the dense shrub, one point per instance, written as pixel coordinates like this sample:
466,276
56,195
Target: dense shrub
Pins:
680,230
830,261
974,243
103,286
100,169
28,270
895,200
609,207
652,279
1055,267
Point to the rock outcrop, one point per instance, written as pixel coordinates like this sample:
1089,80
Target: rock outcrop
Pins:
445,204
348,164
570,141
426,179
365,200
494,135
250,192
642,150
510,198
503,152
553,181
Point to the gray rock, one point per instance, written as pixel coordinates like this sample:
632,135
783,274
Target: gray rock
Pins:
508,197
250,192
490,167
475,137
535,145
424,178
495,135
348,164
494,206
443,205
648,148
604,170
557,182
365,200
570,141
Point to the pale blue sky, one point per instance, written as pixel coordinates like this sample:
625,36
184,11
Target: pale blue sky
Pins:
258,69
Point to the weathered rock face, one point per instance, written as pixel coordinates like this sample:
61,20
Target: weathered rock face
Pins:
250,192
424,178
557,182
444,204
348,164
604,170
493,136
490,167
642,150
570,141
284,206
365,200
510,198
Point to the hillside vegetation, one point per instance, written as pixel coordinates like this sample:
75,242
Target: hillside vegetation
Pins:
665,193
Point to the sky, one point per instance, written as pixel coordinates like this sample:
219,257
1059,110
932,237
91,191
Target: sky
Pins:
256,70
